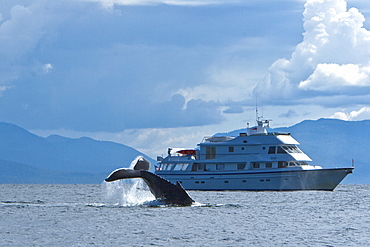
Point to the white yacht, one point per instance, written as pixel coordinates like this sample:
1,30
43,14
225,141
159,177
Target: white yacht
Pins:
255,160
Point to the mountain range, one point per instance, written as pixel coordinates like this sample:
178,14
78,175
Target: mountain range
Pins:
28,158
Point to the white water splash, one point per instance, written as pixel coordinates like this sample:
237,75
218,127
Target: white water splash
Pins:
128,192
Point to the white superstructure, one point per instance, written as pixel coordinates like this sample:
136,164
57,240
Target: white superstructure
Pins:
255,160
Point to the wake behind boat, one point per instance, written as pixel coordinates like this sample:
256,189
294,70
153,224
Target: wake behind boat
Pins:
255,160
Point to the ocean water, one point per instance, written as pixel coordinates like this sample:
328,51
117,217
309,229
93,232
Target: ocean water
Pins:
112,215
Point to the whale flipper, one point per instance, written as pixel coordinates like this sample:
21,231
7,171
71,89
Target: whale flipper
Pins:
162,189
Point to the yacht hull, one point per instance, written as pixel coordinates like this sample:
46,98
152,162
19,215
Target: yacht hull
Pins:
289,180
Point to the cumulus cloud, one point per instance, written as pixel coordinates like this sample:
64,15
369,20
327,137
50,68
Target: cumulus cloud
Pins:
335,77
21,32
159,66
363,113
333,58
47,68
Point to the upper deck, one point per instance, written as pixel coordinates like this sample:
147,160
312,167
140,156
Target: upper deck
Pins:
254,149
244,139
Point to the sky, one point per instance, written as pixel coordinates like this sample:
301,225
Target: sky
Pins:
153,74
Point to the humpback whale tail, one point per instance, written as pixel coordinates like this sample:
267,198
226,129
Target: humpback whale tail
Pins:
162,189
142,164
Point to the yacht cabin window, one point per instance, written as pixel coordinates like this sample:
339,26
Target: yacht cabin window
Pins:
292,149
180,167
241,166
272,150
256,165
282,164
220,167
210,153
280,150
261,165
201,167
231,149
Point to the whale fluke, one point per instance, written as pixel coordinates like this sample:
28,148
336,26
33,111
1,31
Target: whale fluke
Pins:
162,189
142,164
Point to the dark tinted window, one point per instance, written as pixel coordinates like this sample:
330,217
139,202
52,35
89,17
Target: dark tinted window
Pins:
280,150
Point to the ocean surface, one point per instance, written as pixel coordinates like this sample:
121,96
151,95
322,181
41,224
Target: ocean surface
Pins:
122,214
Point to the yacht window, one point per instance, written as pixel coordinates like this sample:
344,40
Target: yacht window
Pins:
177,167
292,149
282,164
288,149
210,153
302,163
269,165
297,149
231,149
280,150
272,150
201,167
194,167
256,165
241,166
220,166
180,167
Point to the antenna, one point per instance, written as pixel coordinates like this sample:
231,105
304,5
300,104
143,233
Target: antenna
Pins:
262,108
257,118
